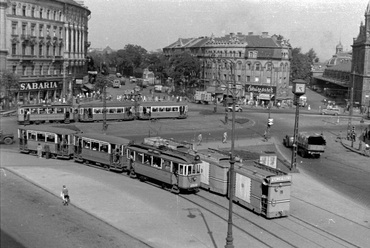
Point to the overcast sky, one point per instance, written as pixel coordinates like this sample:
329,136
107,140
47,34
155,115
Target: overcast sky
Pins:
154,24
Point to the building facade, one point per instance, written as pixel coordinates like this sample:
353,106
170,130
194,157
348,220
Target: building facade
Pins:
259,64
45,43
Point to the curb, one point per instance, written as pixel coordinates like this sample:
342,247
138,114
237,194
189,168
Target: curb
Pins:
353,149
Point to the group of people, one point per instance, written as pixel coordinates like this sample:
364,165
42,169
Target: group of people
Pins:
200,138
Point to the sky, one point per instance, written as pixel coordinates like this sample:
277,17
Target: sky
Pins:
155,24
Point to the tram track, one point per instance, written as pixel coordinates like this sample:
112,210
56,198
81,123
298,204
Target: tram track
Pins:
292,219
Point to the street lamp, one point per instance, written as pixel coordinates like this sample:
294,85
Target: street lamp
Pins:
299,89
229,237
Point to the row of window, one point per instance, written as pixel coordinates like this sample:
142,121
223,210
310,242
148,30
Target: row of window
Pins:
160,163
32,32
248,66
51,69
50,50
41,13
42,111
111,110
96,145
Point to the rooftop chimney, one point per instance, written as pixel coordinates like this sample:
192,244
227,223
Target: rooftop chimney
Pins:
265,34
250,33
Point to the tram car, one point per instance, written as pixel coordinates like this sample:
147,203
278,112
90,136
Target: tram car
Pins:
162,110
103,150
262,189
175,170
56,142
41,113
117,111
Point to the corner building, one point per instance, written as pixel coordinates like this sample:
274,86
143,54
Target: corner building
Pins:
45,43
260,64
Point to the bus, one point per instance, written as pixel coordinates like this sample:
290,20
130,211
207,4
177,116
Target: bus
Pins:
56,142
41,113
118,111
161,110
174,170
103,150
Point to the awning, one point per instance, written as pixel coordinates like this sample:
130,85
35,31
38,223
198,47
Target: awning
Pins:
265,96
89,86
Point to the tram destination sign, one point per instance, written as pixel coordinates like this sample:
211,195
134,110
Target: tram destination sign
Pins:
39,86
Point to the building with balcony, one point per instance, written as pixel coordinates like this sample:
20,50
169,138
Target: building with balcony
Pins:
45,43
259,64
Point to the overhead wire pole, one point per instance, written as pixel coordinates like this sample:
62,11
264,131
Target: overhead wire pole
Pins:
229,237
269,120
351,104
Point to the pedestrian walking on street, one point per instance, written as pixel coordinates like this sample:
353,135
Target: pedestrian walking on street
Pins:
39,150
65,195
200,139
226,118
224,138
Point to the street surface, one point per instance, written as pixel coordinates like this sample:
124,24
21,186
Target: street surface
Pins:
330,195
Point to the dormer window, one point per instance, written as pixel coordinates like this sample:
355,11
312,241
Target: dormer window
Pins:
252,54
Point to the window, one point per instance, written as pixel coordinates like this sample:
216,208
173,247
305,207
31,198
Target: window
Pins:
97,111
40,50
50,138
33,12
154,109
95,146
168,109
238,78
119,110
54,50
86,144
257,67
60,33
112,111
48,14
41,70
24,27
60,50
55,15
14,28
240,54
60,16
268,80
24,10
47,30
32,50
147,159
41,137
23,49
33,32
140,157
14,9
33,70
161,109
175,109
41,29
14,69
47,50
157,162
256,79
248,78
32,136
14,49
24,70
41,10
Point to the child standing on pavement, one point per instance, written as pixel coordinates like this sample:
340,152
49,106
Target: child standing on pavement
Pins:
65,195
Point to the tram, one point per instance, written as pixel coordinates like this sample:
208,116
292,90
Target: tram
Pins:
175,170
262,189
118,111
102,150
41,113
162,110
56,142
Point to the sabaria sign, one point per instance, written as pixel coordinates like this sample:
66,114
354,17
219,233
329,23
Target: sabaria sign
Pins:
39,86
260,89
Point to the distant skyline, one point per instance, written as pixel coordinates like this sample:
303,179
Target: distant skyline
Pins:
155,24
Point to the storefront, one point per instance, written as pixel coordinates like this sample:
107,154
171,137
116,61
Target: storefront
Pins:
40,92
261,94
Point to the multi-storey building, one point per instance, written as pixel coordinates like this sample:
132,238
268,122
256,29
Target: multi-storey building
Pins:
259,64
45,43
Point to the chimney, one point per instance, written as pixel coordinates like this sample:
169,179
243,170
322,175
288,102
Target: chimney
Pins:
239,33
250,33
265,34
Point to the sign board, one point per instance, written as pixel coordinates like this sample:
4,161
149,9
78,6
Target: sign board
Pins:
78,81
40,86
269,160
265,89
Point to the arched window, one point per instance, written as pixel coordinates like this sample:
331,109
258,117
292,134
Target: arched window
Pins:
257,67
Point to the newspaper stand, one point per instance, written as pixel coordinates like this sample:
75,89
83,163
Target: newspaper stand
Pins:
262,189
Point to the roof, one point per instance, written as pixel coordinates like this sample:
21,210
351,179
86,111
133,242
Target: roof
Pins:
341,67
108,104
49,129
75,3
105,138
165,103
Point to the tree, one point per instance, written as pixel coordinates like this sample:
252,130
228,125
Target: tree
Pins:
311,55
300,66
9,85
130,60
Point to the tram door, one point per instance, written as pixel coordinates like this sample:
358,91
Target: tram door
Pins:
66,115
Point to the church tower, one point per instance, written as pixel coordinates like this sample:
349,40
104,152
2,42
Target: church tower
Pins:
361,63
339,48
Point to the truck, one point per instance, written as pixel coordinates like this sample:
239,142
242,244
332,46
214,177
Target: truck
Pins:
312,144
202,97
6,138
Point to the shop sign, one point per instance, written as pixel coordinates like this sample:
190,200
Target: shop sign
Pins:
38,86
260,89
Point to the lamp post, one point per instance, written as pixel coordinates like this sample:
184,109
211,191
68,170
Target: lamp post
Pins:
299,88
351,104
229,237
269,119
361,135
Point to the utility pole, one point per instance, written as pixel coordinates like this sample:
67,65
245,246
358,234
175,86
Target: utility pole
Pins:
351,105
105,127
229,237
269,119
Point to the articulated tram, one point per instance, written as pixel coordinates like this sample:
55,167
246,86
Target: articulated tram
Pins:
162,110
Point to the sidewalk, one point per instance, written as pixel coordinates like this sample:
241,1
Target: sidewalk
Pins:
358,147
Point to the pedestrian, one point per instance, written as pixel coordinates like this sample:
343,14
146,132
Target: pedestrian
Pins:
309,108
200,139
65,195
224,138
39,150
226,118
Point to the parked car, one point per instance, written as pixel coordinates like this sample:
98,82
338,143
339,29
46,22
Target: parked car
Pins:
5,138
238,108
330,111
